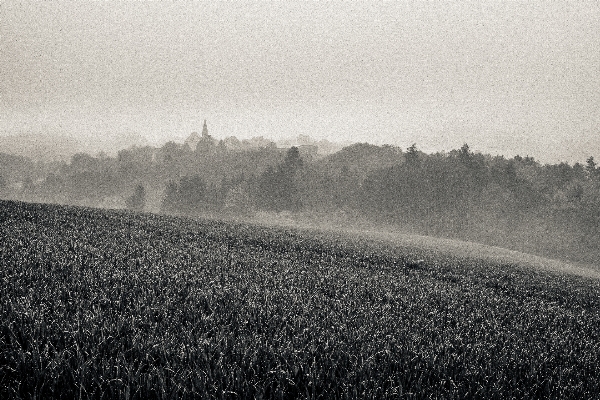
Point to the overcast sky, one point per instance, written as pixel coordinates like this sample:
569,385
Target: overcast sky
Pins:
505,77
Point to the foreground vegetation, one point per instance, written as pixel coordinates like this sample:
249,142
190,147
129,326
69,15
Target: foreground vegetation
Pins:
105,304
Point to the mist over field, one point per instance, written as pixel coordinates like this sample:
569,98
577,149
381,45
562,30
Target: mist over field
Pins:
551,210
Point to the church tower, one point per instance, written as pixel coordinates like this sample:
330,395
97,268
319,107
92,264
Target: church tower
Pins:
205,130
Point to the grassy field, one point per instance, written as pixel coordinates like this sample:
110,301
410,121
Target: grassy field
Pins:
107,304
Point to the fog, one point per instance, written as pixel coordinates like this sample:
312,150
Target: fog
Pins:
507,78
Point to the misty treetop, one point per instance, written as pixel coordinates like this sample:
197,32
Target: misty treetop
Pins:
513,202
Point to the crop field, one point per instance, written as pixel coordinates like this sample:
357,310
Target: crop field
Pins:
111,304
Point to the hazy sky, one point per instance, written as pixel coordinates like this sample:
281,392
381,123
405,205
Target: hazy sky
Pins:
506,77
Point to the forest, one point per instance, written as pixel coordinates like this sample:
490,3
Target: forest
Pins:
518,203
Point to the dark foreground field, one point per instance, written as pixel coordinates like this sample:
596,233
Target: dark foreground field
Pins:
105,304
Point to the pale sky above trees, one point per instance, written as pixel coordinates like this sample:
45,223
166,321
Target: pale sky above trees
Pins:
506,77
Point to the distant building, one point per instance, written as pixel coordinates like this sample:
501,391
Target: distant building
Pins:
206,141
192,141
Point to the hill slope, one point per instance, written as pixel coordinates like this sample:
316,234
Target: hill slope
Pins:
113,304
363,230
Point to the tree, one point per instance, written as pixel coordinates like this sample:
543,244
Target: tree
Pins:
277,189
464,152
412,154
591,167
187,196
137,200
292,161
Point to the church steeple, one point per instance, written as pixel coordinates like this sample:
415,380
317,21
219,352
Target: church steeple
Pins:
204,130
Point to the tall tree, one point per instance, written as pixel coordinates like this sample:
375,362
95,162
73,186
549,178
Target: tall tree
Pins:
412,154
277,189
591,167
137,200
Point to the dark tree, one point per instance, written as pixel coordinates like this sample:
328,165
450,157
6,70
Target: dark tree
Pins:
188,196
277,189
137,200
464,153
591,167
412,154
292,161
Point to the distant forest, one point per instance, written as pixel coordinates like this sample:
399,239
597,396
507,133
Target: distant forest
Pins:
518,203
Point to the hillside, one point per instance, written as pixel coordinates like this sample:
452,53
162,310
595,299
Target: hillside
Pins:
362,230
109,304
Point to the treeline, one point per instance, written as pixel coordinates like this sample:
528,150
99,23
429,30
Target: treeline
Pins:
517,202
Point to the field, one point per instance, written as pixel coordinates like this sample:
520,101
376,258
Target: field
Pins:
110,304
